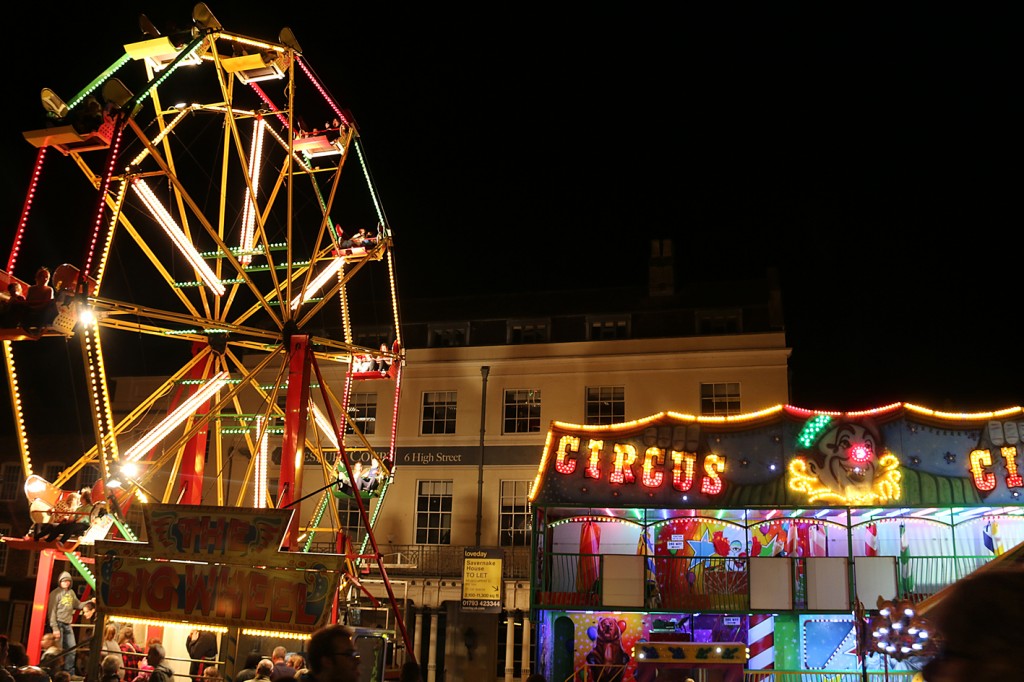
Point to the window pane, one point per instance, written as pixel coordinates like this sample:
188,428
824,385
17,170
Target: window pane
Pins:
720,399
439,412
434,517
605,405
362,409
514,514
521,411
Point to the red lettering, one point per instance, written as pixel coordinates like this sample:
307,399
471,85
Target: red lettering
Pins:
162,589
302,617
593,469
229,594
651,478
682,470
563,463
713,465
282,601
256,599
625,458
237,532
200,588
213,535
118,589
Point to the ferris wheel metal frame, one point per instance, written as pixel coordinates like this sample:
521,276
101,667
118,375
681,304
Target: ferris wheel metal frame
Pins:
249,300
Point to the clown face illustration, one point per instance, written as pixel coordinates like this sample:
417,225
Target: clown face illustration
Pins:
845,463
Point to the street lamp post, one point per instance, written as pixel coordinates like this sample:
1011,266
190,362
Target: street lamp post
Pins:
484,371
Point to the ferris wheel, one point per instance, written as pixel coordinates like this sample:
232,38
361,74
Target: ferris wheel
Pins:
228,215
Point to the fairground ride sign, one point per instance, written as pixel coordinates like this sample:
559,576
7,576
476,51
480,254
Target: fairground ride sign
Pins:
217,565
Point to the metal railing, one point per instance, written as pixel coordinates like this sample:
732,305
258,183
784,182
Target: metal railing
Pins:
827,676
438,560
715,583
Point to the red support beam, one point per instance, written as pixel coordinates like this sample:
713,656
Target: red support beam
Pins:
293,444
38,626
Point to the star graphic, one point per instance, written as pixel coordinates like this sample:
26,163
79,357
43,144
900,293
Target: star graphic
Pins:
703,547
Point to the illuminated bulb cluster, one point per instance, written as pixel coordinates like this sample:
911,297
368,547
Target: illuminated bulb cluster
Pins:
318,282
178,237
33,184
249,208
898,631
187,409
812,429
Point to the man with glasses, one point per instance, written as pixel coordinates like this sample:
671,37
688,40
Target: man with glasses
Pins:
332,656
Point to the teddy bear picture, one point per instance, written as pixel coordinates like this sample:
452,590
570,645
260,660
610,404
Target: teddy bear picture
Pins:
608,658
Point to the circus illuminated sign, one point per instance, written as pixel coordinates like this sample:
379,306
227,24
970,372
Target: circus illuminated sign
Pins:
896,455
619,462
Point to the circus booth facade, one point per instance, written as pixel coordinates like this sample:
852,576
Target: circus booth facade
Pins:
716,547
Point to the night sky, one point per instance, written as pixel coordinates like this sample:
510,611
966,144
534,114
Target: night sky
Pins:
872,157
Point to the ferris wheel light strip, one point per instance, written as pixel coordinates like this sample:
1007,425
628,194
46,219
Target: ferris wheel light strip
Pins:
177,236
318,282
162,134
324,425
36,173
171,421
323,91
19,414
104,421
260,489
122,189
249,209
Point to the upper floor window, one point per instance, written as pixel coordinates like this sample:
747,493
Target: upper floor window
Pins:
608,327
438,412
447,335
362,409
514,514
10,481
434,513
373,336
720,321
5,530
606,404
716,399
88,475
527,331
522,411
51,470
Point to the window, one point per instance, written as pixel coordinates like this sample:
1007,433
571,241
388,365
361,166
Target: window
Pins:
362,409
10,481
33,565
608,328
88,475
522,411
372,337
52,470
447,336
606,404
434,513
728,321
5,530
720,398
528,331
438,412
514,515
351,522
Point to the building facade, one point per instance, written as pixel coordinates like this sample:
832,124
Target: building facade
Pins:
483,379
